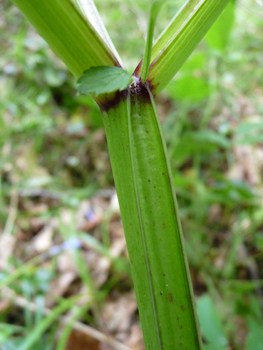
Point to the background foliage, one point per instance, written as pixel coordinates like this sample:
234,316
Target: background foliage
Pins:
58,211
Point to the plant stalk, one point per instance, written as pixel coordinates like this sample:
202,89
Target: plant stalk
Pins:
150,217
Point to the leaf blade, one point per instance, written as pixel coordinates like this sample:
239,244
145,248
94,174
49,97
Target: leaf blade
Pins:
148,45
89,10
195,19
69,35
103,80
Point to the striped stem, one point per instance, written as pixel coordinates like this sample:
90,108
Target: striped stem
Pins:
150,217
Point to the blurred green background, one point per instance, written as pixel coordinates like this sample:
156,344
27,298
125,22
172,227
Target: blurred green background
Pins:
61,236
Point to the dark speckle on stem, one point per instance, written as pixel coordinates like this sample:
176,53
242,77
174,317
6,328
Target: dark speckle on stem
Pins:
170,298
111,101
182,308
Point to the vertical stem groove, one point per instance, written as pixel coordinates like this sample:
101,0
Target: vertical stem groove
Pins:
149,273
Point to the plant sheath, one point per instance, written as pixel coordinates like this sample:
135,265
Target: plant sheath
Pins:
150,217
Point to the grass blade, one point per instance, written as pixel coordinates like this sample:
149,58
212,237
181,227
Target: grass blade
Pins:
180,39
68,33
46,322
89,10
175,24
148,45
77,313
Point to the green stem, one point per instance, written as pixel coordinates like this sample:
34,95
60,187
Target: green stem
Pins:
145,252
150,217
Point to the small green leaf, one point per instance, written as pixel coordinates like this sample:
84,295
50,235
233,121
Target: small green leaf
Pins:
103,80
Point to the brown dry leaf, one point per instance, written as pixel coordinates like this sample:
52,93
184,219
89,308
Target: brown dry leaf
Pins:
118,247
80,216
215,213
241,330
4,304
37,209
25,165
66,217
36,224
114,204
117,316
63,282
44,239
7,244
101,163
135,338
98,266
60,286
65,263
220,259
89,225
118,243
81,341
88,216
248,165
244,106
